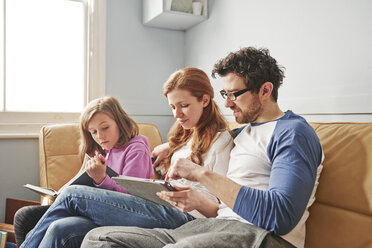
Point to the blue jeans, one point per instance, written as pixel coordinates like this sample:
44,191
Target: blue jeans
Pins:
79,209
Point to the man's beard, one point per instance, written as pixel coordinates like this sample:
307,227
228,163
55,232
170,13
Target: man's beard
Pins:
250,115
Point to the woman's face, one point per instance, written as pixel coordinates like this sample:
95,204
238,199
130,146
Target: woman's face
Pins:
104,130
186,108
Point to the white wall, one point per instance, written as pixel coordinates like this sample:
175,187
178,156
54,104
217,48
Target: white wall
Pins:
324,45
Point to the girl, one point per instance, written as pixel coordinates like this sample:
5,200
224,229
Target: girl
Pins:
200,134
106,131
106,127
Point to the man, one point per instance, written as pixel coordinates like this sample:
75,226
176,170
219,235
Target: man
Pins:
272,176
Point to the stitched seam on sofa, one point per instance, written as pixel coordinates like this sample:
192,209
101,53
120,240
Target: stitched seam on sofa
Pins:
344,209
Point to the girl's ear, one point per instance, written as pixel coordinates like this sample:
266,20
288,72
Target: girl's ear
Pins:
206,99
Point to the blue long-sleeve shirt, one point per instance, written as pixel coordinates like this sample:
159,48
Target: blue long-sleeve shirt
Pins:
277,164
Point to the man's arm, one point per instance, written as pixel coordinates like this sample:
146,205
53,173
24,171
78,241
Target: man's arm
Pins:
295,154
220,186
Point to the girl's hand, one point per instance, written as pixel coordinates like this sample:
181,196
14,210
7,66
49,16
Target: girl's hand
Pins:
96,168
185,199
160,152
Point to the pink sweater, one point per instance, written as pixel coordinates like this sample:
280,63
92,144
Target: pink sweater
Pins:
134,160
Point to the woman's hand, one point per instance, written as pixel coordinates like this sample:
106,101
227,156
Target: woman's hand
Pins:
96,168
185,199
160,152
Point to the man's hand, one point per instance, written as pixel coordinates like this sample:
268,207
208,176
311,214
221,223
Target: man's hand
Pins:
160,152
187,199
220,186
184,168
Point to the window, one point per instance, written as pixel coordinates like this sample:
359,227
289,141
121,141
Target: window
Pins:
52,62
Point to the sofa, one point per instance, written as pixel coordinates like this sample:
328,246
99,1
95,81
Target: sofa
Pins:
341,216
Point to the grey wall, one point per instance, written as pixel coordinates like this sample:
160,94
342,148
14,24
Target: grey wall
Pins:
139,60
324,45
19,164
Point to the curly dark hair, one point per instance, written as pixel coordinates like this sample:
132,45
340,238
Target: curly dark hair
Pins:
255,66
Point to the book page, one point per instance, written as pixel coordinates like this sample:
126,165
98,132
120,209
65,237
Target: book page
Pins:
41,190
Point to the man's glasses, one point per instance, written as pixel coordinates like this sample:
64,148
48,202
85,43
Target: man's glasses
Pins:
233,95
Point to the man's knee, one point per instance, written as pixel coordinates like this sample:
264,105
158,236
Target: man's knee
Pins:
98,237
122,236
92,235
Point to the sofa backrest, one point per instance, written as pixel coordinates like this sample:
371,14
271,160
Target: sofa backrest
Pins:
341,216
59,152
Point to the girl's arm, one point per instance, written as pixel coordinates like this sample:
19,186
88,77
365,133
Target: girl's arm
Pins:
137,163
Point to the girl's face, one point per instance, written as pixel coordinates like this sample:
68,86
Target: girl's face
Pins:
186,108
104,130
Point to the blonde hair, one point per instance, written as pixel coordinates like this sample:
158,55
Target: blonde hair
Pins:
110,106
211,121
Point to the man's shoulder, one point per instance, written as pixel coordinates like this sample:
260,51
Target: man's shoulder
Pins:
294,126
293,122
289,123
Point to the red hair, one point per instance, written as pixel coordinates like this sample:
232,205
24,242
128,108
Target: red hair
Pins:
211,121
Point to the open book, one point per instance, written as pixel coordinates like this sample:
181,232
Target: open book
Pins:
81,178
145,188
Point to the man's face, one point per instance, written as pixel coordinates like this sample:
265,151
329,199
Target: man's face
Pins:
247,107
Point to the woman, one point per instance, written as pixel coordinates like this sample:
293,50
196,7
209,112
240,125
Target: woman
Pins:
200,134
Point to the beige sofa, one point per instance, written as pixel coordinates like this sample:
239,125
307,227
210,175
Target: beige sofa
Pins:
341,215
